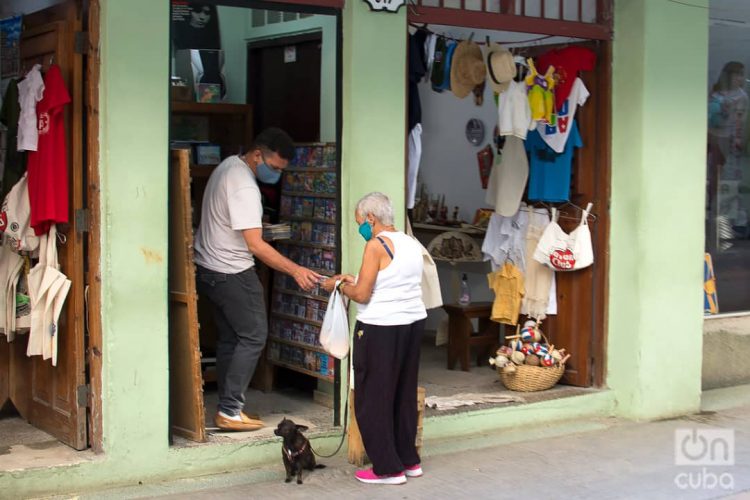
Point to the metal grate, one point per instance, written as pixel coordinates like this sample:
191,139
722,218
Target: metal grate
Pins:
575,18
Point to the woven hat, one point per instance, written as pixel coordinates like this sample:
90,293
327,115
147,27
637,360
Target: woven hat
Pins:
467,68
500,67
454,246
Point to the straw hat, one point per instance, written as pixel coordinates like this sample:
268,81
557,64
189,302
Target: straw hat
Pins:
500,67
467,68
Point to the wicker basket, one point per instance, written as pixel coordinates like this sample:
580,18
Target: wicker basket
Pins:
528,378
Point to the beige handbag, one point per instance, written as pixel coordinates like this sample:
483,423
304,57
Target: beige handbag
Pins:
48,288
431,295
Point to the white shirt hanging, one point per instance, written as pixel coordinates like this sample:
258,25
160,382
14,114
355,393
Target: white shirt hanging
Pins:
30,91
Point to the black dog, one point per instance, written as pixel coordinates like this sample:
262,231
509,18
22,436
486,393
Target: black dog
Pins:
295,450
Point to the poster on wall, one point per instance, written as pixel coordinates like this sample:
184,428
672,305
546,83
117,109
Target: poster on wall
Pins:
10,47
195,25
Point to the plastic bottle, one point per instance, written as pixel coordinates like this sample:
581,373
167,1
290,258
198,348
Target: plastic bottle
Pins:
464,297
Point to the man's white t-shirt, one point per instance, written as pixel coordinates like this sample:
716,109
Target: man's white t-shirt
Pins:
556,136
231,203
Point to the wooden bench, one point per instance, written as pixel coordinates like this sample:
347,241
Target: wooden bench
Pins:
461,334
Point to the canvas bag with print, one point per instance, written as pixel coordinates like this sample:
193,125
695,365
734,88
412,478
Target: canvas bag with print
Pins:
15,219
566,252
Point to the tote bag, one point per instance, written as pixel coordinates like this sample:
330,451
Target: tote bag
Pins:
15,219
334,334
566,252
48,289
431,295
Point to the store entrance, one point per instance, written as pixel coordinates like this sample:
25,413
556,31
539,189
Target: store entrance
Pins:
260,68
458,145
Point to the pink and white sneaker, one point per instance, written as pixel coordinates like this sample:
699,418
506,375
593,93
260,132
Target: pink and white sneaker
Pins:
413,471
368,476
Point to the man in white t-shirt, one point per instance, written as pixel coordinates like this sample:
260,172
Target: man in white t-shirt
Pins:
228,239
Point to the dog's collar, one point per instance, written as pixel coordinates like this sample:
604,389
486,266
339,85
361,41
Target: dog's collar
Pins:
293,454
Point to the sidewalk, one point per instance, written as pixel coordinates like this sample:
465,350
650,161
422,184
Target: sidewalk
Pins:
602,459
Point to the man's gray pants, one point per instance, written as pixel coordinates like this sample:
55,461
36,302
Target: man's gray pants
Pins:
240,316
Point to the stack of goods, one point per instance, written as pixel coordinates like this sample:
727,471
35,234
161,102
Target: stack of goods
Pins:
529,362
273,232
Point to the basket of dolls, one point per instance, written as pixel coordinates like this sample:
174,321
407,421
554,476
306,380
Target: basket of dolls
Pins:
529,363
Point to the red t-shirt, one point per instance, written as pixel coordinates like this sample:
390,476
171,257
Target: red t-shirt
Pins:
567,62
48,165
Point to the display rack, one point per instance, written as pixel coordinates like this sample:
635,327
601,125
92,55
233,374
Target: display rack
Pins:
309,194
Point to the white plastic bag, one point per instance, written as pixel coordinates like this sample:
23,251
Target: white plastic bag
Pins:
334,334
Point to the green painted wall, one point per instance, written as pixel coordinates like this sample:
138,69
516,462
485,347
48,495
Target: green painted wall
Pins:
654,350
658,178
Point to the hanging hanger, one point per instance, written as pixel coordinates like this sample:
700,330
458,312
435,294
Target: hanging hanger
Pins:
587,210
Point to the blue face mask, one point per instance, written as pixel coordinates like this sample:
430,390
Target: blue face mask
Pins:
266,174
365,229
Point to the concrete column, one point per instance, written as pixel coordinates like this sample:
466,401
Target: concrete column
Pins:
658,192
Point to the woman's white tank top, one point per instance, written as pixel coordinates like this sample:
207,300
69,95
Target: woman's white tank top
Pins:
397,295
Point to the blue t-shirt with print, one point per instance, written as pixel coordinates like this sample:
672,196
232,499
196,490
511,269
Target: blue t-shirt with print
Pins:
549,172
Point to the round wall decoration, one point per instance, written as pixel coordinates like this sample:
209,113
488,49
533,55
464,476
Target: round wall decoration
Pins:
475,131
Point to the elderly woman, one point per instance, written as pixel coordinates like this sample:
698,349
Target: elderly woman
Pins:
390,322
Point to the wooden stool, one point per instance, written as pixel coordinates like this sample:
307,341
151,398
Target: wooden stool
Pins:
461,335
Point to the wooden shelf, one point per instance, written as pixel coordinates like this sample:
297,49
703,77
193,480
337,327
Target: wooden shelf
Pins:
305,170
300,369
294,343
308,195
470,230
289,317
308,244
301,294
296,218
215,108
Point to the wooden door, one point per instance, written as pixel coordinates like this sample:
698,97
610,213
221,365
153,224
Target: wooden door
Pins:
580,325
186,412
286,93
54,398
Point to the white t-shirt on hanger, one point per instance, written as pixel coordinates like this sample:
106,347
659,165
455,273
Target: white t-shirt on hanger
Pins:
30,91
556,136
513,112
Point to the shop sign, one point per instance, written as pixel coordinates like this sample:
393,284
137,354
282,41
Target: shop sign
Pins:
385,5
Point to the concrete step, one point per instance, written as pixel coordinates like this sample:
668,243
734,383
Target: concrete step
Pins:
726,352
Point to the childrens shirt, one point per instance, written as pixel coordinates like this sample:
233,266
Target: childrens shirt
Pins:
507,283
556,136
30,91
48,166
549,172
514,113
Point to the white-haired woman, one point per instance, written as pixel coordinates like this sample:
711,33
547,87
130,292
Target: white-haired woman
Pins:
390,323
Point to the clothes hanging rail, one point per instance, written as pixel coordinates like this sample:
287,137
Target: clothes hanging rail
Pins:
548,207
487,40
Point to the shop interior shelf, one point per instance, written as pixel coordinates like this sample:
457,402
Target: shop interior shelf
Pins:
301,294
189,107
296,218
309,195
310,169
296,318
301,370
302,345
309,244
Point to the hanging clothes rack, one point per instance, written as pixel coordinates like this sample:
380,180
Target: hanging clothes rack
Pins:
487,39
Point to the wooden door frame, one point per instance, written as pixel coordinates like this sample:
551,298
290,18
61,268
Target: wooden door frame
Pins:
92,10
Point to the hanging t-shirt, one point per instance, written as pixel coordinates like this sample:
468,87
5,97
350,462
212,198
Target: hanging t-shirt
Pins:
15,161
48,166
514,114
549,172
30,91
416,72
567,62
557,135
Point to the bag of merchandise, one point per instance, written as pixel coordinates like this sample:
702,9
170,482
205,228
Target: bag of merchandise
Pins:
334,334
15,219
566,252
